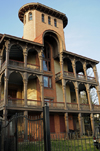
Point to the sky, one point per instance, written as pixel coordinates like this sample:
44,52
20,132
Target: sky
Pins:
82,34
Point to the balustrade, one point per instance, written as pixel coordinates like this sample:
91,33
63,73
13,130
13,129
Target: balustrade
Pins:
34,103
84,106
55,105
67,73
15,102
72,106
96,107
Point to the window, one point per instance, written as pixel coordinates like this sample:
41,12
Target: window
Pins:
43,18
49,20
30,16
24,19
46,58
47,82
55,22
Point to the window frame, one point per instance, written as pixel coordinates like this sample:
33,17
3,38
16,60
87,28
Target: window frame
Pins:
46,59
30,16
55,22
49,20
48,83
42,17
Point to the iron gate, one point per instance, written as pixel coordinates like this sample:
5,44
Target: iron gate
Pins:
22,133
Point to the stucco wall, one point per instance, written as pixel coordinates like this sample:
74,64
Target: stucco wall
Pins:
59,92
65,65
68,95
57,66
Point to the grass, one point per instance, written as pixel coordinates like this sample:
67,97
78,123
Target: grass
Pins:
84,144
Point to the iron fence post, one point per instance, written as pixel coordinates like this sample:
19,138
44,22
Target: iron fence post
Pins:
47,143
0,134
16,131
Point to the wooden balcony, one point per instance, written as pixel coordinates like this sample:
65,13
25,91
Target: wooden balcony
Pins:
91,79
68,74
56,105
20,64
72,106
85,107
15,102
80,76
58,75
96,107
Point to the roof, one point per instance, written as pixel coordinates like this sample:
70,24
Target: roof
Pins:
5,36
79,56
44,9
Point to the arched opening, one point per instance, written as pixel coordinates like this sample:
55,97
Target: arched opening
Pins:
16,56
33,91
90,72
79,70
83,97
94,96
68,70
2,87
32,59
15,89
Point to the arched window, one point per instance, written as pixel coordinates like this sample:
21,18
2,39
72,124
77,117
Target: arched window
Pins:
42,17
25,19
55,22
30,16
46,58
49,20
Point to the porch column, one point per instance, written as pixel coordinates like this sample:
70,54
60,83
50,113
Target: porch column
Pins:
66,124
25,126
4,116
0,88
74,67
95,74
6,88
89,98
98,93
77,95
42,90
41,59
25,89
7,45
0,61
25,59
84,68
80,123
64,92
92,123
61,64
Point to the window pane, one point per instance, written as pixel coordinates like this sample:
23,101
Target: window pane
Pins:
49,20
55,23
45,65
45,81
30,16
42,17
50,82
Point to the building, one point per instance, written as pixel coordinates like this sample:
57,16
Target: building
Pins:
37,68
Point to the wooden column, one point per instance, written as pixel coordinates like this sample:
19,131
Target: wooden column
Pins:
74,67
80,123
95,74
77,95
64,92
25,88
98,93
42,90
41,59
7,45
66,124
92,123
61,64
25,59
88,94
84,68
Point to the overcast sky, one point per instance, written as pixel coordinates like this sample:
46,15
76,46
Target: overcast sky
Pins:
82,34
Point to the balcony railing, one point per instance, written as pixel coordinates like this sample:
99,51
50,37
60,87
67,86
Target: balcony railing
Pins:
20,102
81,76
33,66
84,106
96,107
16,63
91,78
21,64
34,103
15,102
72,106
57,75
56,105
68,74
